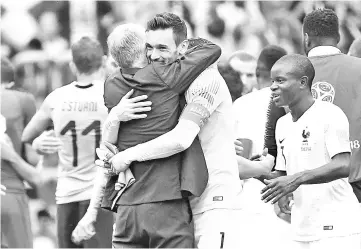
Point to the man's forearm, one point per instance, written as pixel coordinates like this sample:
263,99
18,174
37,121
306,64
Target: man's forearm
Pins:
26,171
100,182
248,168
173,142
324,174
111,129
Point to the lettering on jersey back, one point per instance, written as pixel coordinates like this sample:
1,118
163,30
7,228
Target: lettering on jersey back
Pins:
75,106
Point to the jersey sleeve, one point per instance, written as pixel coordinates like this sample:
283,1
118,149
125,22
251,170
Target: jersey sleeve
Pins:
337,133
273,114
181,73
203,97
280,159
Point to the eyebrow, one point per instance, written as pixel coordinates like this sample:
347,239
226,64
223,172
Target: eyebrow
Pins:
278,77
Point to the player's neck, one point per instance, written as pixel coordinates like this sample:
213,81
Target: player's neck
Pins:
83,79
297,110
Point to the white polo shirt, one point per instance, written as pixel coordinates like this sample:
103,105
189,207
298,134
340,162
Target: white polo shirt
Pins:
320,210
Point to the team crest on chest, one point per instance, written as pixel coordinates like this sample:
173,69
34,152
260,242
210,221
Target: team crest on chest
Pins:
305,136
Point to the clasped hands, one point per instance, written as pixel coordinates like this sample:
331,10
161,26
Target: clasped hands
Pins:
278,190
112,160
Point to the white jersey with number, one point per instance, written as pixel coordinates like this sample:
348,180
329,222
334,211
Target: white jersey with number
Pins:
217,140
78,114
319,210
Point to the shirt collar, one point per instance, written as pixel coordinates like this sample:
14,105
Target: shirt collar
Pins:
323,50
131,71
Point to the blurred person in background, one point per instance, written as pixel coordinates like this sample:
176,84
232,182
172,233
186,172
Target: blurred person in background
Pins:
250,112
54,45
267,58
253,106
232,79
76,111
17,108
355,48
245,64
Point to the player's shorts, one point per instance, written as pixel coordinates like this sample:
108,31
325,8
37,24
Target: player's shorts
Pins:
15,221
68,216
218,228
164,224
352,241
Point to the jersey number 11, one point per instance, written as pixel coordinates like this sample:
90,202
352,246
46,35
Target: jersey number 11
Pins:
72,128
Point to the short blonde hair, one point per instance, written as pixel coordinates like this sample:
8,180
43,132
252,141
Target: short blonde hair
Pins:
126,44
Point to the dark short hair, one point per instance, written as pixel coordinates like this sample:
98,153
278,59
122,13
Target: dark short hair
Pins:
301,66
193,42
232,79
321,23
270,54
216,27
7,71
168,20
87,55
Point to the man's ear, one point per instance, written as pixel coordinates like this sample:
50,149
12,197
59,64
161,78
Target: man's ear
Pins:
307,39
73,68
182,48
304,82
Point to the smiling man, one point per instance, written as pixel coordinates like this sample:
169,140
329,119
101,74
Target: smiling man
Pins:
314,149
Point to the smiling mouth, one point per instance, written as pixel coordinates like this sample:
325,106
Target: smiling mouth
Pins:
275,96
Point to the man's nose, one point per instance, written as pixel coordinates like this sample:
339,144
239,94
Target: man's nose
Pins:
273,86
154,55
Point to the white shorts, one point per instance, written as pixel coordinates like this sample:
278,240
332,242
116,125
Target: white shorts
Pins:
349,242
218,228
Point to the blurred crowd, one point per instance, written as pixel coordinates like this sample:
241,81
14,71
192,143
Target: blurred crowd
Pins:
37,36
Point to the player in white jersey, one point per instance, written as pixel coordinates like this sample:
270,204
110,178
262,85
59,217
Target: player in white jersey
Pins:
314,149
77,112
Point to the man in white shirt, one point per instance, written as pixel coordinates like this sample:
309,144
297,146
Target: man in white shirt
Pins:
77,112
314,149
250,112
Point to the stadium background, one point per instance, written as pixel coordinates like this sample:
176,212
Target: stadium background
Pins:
36,35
